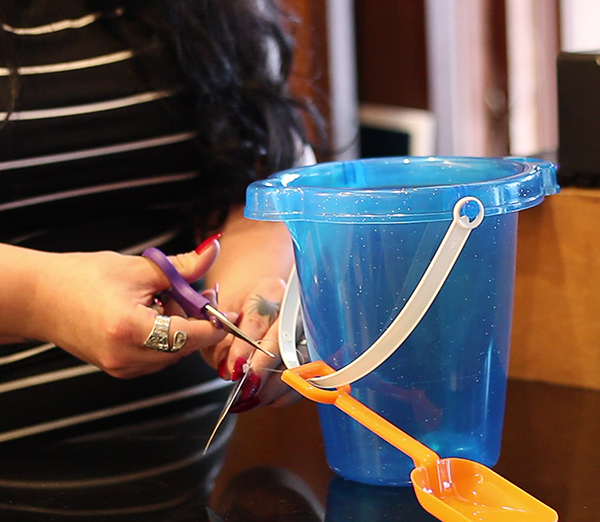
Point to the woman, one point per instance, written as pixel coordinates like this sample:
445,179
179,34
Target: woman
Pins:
130,124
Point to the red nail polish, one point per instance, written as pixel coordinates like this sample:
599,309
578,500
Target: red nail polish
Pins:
238,368
243,406
250,387
239,319
207,242
222,369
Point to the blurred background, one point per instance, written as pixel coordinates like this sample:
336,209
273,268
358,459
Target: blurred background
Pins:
482,72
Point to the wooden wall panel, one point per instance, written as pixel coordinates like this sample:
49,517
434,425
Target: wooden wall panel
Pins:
391,52
310,74
556,329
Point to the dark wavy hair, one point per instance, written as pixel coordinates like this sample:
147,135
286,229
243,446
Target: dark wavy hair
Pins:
237,57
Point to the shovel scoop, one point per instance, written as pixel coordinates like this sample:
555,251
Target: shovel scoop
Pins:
451,489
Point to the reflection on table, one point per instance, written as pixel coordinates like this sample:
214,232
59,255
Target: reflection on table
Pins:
269,465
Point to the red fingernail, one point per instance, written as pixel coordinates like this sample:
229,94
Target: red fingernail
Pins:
250,387
243,406
238,368
207,242
222,369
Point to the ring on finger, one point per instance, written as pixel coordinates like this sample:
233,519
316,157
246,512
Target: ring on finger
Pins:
158,339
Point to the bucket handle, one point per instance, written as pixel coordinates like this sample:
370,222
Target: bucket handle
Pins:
407,319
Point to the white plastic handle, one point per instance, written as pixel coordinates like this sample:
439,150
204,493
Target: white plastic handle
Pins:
288,322
405,322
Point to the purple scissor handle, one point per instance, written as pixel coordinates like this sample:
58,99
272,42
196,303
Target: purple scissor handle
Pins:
193,303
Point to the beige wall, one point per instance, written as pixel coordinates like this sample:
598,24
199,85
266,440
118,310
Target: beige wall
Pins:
556,328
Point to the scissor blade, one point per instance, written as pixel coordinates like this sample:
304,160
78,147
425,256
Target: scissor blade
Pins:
230,401
233,329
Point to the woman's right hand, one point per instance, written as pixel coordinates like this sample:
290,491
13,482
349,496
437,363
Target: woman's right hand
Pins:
98,306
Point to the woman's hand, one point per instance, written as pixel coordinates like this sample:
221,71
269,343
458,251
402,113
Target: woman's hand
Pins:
259,320
98,306
251,273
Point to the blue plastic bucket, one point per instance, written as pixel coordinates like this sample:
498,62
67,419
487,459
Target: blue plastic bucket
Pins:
364,233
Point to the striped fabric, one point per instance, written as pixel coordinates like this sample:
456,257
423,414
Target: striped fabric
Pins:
97,154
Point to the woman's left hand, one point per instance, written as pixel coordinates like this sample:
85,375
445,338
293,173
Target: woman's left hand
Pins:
251,272
259,320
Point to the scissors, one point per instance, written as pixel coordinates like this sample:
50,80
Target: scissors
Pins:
193,303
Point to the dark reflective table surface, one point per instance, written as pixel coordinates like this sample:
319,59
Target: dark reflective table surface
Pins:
269,465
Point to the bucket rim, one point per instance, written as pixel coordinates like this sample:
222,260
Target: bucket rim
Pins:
289,196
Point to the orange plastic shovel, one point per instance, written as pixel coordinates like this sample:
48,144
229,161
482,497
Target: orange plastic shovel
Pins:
452,489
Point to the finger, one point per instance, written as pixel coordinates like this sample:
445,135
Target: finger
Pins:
191,265
262,375
274,393
259,312
211,295
217,356
262,308
171,307
199,335
194,265
257,317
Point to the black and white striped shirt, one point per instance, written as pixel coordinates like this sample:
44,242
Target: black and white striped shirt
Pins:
97,154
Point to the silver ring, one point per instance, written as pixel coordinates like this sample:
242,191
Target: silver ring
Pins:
179,340
159,336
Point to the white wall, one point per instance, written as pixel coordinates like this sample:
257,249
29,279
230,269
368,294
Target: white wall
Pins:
455,46
580,25
532,41
458,68
343,78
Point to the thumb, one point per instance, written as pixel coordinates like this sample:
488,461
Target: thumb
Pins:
194,265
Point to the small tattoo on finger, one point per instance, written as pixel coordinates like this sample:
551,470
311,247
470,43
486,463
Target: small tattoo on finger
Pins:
265,308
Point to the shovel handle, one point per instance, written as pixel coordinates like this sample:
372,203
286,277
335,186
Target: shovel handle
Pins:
340,397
